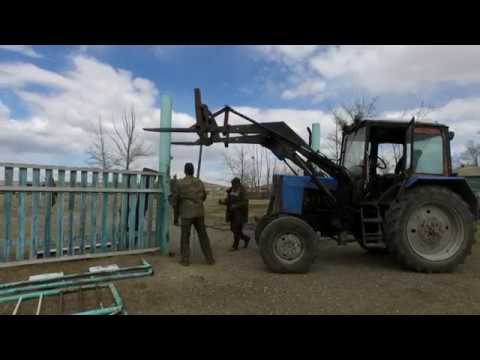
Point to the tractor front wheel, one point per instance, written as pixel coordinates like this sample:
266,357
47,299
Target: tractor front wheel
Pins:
264,221
287,245
430,229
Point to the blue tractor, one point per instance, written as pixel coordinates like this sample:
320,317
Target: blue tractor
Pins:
414,208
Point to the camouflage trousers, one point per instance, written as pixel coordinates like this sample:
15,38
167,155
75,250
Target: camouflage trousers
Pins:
199,224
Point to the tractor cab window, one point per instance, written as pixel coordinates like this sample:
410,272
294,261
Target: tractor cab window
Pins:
428,154
389,158
354,151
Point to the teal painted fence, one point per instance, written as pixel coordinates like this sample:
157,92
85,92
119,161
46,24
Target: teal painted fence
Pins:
51,211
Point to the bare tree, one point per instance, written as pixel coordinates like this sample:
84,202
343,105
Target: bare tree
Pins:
363,107
128,145
269,166
346,114
98,151
257,168
420,114
238,163
334,140
471,154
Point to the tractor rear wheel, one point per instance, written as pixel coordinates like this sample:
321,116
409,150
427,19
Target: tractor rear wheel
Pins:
287,245
430,229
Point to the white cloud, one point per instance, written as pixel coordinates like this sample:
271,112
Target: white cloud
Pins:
17,75
26,50
400,68
462,117
62,112
309,88
287,53
388,69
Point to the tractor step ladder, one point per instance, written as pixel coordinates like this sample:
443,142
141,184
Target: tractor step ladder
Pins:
372,234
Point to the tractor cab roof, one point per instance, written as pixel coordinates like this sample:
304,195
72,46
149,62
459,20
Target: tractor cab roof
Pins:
387,131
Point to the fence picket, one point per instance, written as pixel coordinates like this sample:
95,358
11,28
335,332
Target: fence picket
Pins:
61,196
47,234
151,210
132,213
141,214
7,215
104,214
35,212
71,213
83,214
159,214
114,214
124,213
93,216
21,216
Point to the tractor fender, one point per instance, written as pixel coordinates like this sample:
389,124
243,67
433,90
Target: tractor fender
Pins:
456,184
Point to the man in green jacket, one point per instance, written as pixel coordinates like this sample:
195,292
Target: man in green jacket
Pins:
187,200
237,212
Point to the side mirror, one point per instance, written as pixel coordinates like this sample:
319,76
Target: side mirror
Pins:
451,135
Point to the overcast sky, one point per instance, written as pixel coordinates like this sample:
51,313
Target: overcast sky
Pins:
51,95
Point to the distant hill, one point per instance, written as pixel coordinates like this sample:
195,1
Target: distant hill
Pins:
213,186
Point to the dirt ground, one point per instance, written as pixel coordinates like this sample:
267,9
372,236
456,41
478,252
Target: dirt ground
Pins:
344,280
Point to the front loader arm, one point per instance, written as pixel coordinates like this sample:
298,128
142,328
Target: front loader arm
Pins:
278,137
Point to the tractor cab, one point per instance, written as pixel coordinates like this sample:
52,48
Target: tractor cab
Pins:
380,154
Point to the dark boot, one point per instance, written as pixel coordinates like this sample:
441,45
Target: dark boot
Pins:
235,244
246,238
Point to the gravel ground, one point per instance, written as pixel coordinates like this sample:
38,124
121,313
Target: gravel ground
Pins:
344,280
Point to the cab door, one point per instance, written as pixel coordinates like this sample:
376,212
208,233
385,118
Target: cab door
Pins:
426,154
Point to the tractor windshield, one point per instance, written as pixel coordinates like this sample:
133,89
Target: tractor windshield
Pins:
354,150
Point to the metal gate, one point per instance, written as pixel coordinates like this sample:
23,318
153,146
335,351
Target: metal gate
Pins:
52,211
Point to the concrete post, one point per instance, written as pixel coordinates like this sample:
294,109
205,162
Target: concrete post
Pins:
164,156
316,136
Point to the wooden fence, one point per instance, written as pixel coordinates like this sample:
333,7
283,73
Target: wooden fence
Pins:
94,211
